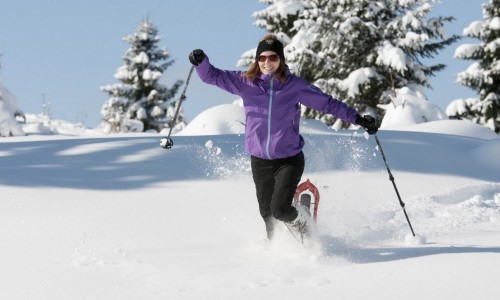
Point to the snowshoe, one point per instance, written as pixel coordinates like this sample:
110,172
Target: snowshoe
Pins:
300,226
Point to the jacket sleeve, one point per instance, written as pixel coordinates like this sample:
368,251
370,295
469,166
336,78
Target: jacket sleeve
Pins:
311,96
230,81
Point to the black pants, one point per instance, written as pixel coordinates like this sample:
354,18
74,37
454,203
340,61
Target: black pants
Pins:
276,181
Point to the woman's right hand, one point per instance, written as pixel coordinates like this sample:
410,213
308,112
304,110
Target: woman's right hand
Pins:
196,56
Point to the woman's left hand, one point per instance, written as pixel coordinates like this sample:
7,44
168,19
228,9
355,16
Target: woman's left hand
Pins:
368,123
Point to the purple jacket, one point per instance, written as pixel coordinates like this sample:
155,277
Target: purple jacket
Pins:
272,108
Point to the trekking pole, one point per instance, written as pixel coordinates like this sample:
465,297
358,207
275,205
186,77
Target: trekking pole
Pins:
167,142
391,178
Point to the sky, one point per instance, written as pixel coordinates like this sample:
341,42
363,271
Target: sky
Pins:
61,51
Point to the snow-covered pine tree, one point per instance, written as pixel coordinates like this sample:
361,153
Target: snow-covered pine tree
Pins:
9,112
140,102
483,75
278,18
361,51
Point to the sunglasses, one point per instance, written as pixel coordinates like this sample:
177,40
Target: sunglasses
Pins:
273,58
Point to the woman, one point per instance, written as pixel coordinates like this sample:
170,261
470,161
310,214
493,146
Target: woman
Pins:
272,97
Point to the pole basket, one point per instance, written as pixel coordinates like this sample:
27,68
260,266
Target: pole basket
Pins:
166,143
307,194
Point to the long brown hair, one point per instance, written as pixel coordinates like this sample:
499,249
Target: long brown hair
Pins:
254,70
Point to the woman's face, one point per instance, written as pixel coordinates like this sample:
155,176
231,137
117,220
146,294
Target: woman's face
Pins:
269,62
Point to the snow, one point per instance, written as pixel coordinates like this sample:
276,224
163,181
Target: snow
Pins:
88,216
210,122
453,127
473,70
286,8
356,79
493,46
392,56
413,38
43,125
466,50
8,106
409,107
494,23
142,58
474,29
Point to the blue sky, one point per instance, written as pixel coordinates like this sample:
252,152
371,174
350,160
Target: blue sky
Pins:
64,50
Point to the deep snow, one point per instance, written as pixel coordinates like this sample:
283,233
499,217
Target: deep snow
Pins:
93,216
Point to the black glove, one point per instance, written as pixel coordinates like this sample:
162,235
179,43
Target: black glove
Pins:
196,56
368,123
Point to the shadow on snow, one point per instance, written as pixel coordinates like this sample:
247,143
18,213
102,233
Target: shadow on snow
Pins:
135,162
336,247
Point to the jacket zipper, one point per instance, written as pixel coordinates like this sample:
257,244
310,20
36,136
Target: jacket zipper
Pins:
269,119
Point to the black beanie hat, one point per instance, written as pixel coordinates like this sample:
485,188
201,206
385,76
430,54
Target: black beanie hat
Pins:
270,45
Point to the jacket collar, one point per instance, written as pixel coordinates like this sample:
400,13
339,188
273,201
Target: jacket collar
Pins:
267,77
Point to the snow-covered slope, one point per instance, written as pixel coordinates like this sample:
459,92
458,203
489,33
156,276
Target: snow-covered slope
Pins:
222,119
117,217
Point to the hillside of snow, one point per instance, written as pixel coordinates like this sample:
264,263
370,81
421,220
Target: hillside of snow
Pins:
88,216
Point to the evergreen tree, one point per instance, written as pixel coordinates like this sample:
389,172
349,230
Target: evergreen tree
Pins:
361,51
273,20
9,112
483,75
140,102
